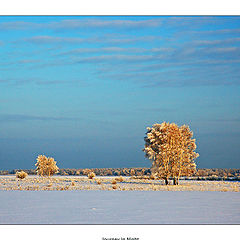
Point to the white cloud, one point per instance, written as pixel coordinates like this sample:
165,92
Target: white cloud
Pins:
82,24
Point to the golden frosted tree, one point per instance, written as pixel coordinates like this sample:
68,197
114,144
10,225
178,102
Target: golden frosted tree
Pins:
46,166
171,150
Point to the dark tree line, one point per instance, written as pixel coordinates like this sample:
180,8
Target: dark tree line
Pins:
202,172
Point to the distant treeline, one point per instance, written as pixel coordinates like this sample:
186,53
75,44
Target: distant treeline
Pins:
202,172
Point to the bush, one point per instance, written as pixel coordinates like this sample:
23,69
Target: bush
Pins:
91,175
46,166
119,179
99,182
73,183
21,175
132,172
114,181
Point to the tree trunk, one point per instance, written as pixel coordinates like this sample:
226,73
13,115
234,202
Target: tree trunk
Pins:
174,181
166,181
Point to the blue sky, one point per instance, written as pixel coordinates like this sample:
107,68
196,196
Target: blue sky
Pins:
84,89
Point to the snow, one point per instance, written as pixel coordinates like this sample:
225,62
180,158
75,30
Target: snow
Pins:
119,207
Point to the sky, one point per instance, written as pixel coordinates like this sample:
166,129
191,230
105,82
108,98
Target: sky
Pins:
83,89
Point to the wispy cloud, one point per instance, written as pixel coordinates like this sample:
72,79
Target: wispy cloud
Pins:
18,81
182,67
102,59
216,42
28,61
75,40
219,31
157,109
114,49
105,23
23,117
104,50
19,25
52,40
177,57
3,80
100,23
152,59
117,58
45,81
236,119
13,118
82,24
182,77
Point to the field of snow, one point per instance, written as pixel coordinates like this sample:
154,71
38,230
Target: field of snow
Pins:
119,207
63,183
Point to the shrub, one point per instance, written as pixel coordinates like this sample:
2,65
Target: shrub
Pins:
114,181
21,175
91,175
73,183
119,179
46,166
99,182
132,172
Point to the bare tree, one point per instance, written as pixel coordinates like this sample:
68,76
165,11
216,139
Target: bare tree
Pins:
46,166
171,149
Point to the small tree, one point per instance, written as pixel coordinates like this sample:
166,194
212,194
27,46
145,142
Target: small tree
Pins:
46,166
171,149
21,175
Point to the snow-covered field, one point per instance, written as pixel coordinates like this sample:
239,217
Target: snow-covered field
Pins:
62,183
119,207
